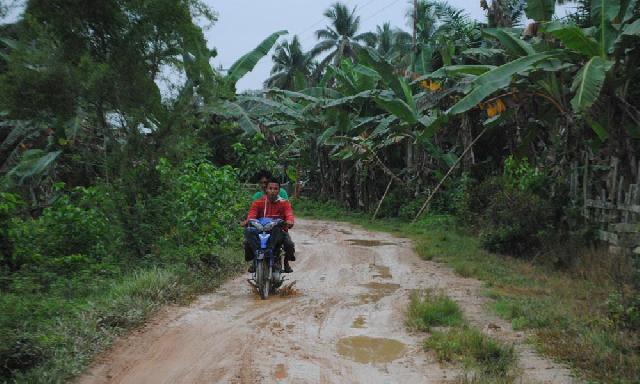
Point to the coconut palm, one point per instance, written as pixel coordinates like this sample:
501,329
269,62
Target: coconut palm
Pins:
341,37
391,43
290,64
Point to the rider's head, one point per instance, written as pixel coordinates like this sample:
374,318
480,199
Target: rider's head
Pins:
272,189
263,176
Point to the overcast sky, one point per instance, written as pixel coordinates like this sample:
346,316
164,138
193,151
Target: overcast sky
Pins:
243,24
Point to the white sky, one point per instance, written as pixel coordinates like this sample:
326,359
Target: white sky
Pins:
243,24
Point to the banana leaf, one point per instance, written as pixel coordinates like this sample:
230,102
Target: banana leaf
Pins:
574,38
248,61
588,83
496,79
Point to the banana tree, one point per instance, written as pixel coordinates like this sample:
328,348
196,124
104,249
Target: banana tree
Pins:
600,48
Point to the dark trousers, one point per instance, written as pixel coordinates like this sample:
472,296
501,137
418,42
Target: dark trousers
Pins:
279,239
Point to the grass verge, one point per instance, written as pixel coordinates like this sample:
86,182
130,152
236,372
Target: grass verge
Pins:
483,359
430,309
60,336
571,314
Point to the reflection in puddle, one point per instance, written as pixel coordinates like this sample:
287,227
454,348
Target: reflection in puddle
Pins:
366,350
359,322
377,292
368,243
382,271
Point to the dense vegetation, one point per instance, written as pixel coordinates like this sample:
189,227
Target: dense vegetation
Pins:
116,198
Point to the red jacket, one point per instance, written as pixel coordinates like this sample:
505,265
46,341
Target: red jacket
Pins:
280,209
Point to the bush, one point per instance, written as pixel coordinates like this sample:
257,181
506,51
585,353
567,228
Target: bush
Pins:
516,223
207,204
71,238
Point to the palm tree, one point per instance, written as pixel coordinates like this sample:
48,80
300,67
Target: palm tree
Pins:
341,37
290,64
391,43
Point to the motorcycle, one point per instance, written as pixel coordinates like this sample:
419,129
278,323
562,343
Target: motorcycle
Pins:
268,276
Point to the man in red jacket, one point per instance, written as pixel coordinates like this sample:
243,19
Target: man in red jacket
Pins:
271,205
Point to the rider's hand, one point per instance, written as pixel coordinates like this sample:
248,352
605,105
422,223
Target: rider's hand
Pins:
289,224
244,223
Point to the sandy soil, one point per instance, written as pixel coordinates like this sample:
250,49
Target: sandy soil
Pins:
343,323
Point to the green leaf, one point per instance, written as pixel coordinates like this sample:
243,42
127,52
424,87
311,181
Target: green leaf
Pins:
540,10
494,80
397,107
324,136
588,83
366,71
369,57
602,10
451,70
247,62
383,127
34,162
512,43
483,52
229,109
350,99
574,38
599,130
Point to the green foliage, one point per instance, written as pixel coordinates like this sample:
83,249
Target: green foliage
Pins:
491,359
207,204
430,309
254,154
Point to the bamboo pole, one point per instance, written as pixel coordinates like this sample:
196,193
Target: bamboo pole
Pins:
381,200
424,206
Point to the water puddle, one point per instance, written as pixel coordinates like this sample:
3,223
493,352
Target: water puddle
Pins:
382,271
368,243
359,322
367,350
377,292
220,305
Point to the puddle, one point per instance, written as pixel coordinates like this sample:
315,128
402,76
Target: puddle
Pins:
382,271
377,292
367,350
368,243
219,305
359,322
280,372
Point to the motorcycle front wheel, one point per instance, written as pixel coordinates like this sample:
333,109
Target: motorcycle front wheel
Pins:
263,278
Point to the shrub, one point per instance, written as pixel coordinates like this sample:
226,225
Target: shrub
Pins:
516,222
431,309
207,204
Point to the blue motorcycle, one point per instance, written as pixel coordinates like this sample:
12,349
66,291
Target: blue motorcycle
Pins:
268,276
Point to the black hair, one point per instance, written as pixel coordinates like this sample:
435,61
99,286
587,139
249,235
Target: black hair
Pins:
262,173
273,180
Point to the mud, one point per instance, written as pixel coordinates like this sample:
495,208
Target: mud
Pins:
365,350
343,322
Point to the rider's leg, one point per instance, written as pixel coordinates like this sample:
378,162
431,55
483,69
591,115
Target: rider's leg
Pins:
289,251
250,246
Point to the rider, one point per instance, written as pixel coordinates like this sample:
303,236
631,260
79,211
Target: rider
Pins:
274,207
263,176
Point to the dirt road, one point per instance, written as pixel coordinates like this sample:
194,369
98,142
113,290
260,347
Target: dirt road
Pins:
344,325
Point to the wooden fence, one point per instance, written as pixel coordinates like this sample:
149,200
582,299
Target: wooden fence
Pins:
609,201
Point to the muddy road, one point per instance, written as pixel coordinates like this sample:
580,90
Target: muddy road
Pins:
344,323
